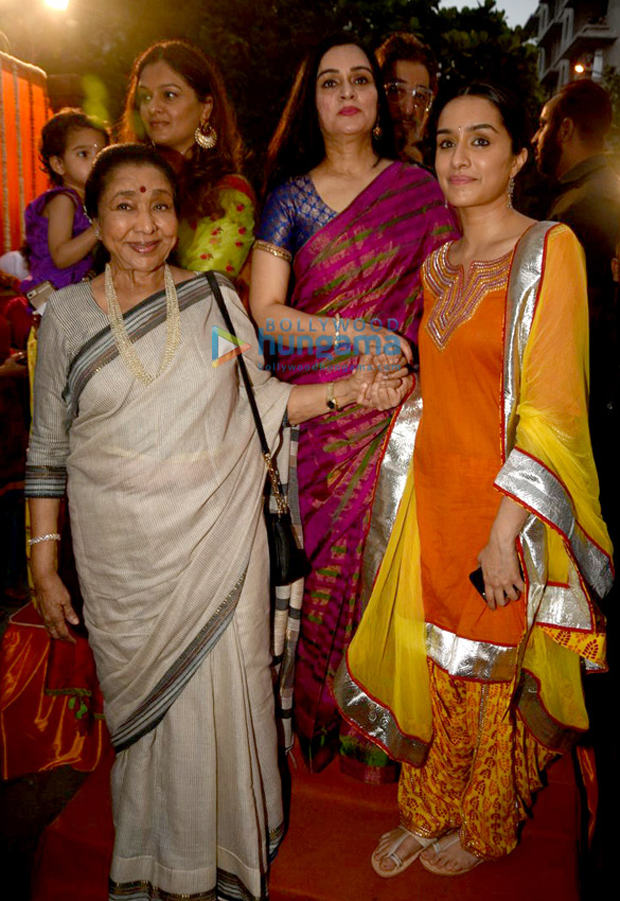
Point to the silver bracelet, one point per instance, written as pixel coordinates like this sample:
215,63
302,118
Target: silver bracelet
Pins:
51,536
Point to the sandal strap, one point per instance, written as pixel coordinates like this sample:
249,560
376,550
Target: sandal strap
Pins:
448,839
396,860
405,833
420,839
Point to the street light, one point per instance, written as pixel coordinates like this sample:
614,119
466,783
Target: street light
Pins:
57,4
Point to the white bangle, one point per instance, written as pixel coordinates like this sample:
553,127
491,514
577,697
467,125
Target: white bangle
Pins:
51,536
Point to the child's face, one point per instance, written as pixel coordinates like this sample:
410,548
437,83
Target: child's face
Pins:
83,145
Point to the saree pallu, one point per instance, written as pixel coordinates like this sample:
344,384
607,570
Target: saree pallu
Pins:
524,658
165,489
363,264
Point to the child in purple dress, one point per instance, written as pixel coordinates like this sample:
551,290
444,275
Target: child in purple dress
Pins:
59,235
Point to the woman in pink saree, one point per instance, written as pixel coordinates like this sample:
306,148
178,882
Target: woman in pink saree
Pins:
352,227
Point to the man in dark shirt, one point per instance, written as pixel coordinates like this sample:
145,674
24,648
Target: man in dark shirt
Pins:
569,148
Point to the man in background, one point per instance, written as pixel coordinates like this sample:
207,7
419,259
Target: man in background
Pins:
409,70
569,148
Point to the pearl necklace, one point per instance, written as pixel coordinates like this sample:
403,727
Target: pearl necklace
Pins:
125,345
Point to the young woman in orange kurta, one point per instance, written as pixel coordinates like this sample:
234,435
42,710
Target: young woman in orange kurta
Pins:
475,691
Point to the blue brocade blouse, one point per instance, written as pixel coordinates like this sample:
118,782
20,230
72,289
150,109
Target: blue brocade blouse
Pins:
293,213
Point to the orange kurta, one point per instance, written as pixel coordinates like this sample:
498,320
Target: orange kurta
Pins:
458,448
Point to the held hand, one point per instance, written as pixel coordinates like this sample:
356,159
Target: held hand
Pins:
385,394
363,375
502,575
391,366
54,604
393,338
383,367
375,383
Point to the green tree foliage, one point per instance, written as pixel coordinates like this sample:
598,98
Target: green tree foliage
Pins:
260,45
478,45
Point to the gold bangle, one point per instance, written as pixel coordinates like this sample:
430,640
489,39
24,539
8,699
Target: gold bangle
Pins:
280,252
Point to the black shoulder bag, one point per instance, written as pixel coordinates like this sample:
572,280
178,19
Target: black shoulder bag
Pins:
287,560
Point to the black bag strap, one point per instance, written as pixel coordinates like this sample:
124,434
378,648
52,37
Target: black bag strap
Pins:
274,475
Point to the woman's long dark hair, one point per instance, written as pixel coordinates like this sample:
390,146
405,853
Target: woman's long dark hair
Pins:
297,145
203,168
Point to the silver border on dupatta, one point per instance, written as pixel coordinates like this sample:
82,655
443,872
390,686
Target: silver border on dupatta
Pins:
522,295
529,481
390,486
375,721
537,487
465,658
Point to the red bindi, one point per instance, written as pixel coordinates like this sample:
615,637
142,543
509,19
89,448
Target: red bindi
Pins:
142,189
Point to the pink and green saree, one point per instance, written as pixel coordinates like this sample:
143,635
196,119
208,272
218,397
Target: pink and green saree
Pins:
364,264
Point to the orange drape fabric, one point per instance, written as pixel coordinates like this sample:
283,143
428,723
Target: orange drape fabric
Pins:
51,708
24,109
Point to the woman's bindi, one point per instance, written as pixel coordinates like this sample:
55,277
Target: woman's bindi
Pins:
142,189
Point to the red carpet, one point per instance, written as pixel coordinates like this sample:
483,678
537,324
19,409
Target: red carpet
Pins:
334,825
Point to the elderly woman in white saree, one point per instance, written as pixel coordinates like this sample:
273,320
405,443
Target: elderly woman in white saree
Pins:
158,448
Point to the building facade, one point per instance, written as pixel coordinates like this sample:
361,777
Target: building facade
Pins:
576,37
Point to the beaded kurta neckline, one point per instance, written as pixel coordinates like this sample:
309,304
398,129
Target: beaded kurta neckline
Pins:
125,345
458,300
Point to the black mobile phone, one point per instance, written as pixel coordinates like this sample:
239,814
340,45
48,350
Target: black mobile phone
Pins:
477,580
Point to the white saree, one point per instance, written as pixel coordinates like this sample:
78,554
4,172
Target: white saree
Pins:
165,486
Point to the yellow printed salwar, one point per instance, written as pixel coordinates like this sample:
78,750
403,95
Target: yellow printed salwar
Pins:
494,770
503,351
